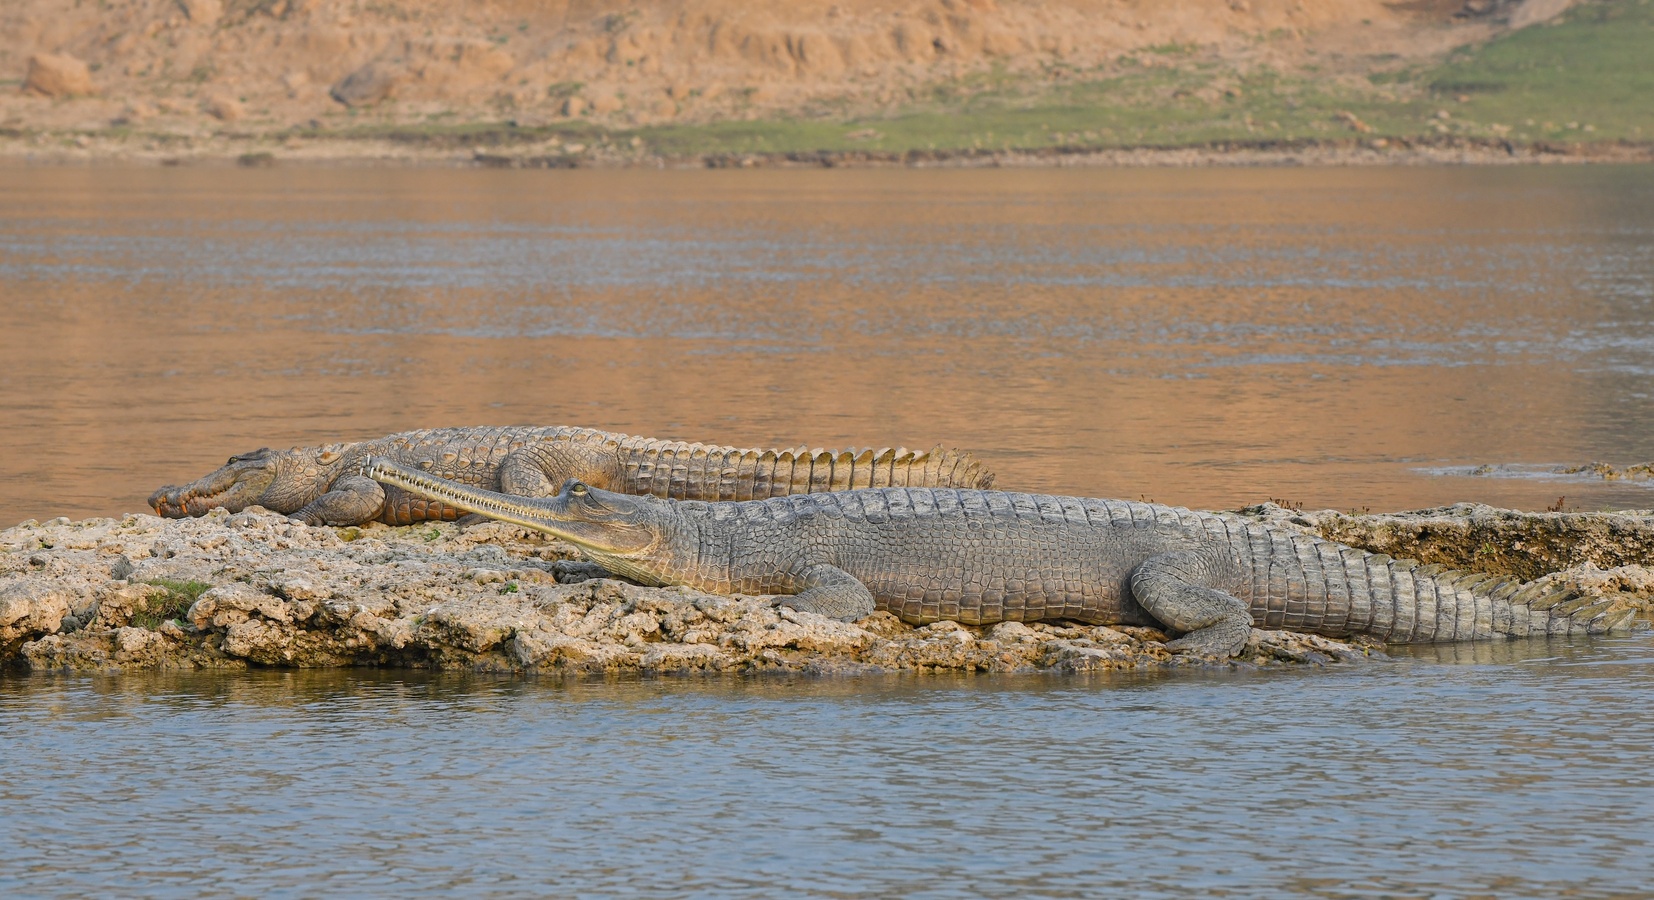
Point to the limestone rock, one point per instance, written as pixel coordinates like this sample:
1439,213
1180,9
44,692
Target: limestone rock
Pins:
30,607
232,604
368,85
58,75
114,605
224,108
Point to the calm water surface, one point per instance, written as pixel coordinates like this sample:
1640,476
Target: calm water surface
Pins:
1209,338
1347,338
1524,770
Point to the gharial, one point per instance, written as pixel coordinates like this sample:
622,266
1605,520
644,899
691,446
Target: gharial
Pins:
324,485
977,557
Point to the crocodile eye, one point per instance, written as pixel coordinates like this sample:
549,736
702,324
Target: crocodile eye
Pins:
578,489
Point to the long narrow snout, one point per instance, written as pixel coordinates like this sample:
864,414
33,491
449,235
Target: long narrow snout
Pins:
529,512
618,530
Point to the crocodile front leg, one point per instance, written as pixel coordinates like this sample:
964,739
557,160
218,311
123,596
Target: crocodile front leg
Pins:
353,500
831,592
1183,590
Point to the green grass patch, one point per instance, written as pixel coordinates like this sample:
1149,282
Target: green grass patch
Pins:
179,597
464,134
1595,67
1589,76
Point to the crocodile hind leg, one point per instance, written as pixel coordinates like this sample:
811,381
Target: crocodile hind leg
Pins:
1182,589
831,592
353,499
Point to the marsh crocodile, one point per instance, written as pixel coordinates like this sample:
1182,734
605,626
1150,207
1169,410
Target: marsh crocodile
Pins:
977,557
323,485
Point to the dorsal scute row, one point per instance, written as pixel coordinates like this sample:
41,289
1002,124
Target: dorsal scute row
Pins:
1050,509
453,450
696,471
492,438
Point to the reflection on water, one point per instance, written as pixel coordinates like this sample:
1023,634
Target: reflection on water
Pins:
1209,338
1526,774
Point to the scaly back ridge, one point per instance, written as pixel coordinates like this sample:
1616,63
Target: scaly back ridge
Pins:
679,470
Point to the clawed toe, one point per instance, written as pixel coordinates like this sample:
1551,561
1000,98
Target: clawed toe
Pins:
1211,645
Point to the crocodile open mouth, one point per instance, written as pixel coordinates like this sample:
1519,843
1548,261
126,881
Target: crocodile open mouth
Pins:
173,505
233,491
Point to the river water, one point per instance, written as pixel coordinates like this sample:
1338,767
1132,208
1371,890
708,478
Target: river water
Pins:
1208,338
1519,770
1346,338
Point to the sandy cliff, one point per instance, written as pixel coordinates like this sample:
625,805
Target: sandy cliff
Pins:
271,64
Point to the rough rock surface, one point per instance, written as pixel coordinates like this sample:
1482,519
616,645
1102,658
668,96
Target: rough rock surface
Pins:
223,108
255,589
369,84
58,75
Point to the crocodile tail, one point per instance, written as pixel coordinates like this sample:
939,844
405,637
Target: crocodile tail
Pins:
815,471
686,471
1560,609
1456,605
1312,584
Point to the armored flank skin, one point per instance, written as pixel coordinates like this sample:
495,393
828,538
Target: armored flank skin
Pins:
979,557
323,485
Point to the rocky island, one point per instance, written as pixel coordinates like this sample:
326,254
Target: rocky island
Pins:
255,588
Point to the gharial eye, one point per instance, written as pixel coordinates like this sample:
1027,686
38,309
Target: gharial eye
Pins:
577,489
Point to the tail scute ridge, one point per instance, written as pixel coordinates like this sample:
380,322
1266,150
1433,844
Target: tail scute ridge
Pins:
681,470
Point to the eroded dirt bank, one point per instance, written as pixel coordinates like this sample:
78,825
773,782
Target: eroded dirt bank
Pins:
254,589
823,82
266,63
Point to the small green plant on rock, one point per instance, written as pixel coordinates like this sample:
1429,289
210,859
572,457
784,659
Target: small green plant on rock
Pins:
179,597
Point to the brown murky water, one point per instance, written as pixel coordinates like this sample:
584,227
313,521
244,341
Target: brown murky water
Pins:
1209,338
1212,338
1524,773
